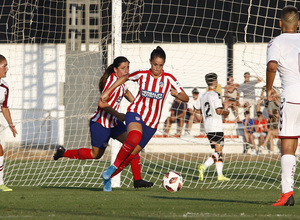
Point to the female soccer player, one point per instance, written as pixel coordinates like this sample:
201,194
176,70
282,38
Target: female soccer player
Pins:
4,91
144,113
108,122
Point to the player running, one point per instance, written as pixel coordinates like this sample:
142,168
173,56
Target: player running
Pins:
144,113
211,107
107,122
283,55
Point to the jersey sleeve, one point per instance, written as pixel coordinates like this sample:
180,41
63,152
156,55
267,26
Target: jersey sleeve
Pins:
175,84
134,76
217,101
273,51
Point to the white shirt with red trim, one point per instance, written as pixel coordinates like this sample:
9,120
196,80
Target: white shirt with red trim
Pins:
105,119
285,50
151,95
4,91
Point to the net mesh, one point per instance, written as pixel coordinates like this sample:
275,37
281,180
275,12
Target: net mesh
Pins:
57,51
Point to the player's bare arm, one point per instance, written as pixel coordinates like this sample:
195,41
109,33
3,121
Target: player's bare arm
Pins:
106,107
120,81
128,95
7,116
270,76
180,95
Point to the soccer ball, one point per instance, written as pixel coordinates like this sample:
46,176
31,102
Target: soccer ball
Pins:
172,181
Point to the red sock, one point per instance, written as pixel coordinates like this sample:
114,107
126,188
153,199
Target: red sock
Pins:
136,167
124,164
133,139
81,153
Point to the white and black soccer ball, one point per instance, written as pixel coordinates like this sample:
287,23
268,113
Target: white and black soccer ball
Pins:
172,181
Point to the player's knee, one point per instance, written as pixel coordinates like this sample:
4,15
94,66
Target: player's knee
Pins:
134,137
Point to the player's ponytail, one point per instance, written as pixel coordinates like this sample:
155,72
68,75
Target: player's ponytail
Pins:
158,52
109,70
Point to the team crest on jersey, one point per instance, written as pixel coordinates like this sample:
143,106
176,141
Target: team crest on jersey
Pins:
150,94
161,84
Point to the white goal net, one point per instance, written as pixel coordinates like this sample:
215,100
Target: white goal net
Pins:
57,51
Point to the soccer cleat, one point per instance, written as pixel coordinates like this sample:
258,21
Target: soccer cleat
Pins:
107,173
107,186
142,184
4,188
59,152
223,178
286,199
201,169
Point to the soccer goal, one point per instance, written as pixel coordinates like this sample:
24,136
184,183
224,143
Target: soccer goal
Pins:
58,50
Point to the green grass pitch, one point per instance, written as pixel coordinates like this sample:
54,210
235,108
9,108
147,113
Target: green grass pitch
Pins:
153,203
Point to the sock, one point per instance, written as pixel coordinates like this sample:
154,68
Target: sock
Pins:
1,170
81,153
211,160
123,165
136,167
219,166
288,167
133,139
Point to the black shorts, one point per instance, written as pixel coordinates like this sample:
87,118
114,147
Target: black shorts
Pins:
215,138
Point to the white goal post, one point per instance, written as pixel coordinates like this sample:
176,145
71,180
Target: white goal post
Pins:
57,51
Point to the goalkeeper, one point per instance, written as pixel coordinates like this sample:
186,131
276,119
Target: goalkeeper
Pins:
107,122
4,91
211,108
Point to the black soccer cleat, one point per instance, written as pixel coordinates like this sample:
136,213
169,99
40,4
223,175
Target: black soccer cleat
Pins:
142,184
59,152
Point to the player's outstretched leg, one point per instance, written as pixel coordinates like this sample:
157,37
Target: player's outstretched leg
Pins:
286,199
59,152
142,184
201,169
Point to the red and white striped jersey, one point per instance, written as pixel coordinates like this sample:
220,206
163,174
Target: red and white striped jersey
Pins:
4,90
105,119
151,95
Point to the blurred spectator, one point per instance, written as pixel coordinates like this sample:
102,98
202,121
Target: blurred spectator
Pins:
274,103
261,127
263,102
191,115
273,130
232,97
248,133
178,111
248,90
218,89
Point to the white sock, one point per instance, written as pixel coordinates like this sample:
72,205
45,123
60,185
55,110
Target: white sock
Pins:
1,170
208,162
288,169
219,166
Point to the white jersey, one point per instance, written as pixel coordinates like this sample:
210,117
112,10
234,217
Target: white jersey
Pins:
4,91
285,50
208,103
